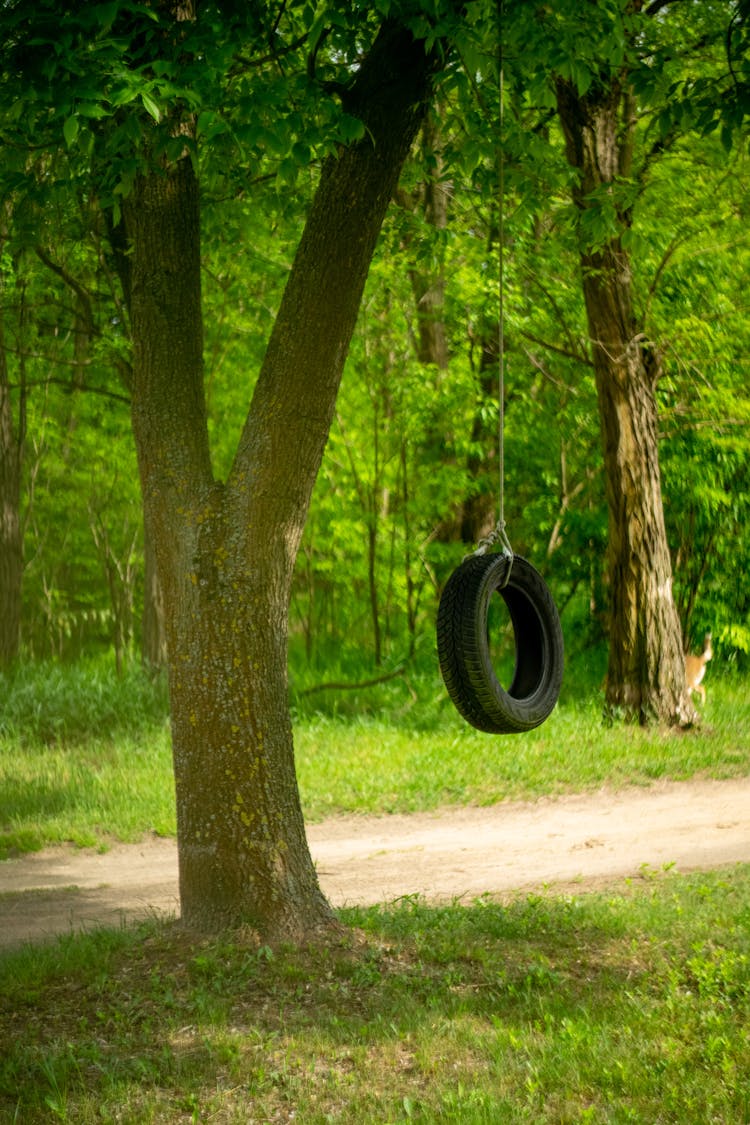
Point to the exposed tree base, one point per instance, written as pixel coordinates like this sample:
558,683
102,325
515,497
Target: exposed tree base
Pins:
325,931
684,717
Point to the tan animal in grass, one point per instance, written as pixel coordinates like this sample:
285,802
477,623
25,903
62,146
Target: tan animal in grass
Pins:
695,668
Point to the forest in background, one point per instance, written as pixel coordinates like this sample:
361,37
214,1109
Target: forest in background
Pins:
410,476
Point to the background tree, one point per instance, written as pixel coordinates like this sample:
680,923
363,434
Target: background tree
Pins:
646,670
597,58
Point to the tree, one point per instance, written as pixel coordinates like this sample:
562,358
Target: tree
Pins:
225,550
646,674
598,59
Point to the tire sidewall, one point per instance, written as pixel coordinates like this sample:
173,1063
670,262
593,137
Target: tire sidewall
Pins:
481,699
523,582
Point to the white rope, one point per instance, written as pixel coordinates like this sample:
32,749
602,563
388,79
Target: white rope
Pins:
498,534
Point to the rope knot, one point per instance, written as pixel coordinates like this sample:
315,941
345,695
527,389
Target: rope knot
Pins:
497,535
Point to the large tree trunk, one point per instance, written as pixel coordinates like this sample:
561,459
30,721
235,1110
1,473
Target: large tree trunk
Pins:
646,673
226,552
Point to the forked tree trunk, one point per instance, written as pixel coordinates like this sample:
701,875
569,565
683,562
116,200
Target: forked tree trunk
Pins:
646,673
226,552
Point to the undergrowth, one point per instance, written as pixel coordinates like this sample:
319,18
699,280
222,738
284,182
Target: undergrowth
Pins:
51,702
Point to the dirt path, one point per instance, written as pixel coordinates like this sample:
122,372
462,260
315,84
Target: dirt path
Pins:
580,841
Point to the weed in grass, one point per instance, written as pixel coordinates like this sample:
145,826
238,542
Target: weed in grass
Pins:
52,1087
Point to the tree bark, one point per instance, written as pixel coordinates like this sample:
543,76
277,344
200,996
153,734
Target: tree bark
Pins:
225,552
646,672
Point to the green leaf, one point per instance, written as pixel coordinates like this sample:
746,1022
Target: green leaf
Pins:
91,109
287,172
151,106
70,130
301,153
211,124
351,128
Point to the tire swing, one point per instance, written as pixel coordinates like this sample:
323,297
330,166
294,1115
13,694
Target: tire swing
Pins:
463,621
463,639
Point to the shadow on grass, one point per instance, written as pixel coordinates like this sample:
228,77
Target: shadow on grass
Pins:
531,1011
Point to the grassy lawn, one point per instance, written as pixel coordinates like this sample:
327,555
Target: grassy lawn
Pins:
85,757
626,1006
631,1006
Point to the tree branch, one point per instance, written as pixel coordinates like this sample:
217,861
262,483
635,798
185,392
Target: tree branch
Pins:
577,356
340,685
294,398
70,388
82,293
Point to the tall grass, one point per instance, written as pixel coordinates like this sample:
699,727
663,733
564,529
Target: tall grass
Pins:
47,703
85,756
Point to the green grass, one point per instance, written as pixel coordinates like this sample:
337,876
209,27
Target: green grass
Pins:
44,704
86,793
85,757
373,765
631,1006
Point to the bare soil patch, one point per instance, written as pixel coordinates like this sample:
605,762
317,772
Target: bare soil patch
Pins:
581,841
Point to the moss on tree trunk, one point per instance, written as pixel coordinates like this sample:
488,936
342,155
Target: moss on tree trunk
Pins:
226,551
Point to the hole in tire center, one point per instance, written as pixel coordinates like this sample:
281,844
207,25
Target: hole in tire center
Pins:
501,640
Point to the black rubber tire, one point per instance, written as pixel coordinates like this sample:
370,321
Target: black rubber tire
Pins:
464,651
